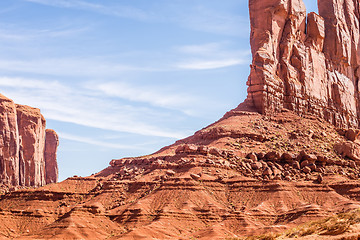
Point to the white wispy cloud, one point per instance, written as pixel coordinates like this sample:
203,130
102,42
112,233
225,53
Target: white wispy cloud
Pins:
204,19
194,57
10,32
32,84
210,56
194,17
83,107
114,10
7,35
72,66
94,142
202,49
156,96
209,64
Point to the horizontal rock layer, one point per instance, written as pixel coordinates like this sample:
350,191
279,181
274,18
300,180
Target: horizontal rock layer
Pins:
27,152
307,63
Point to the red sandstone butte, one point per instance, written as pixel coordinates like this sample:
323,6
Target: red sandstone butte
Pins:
32,134
51,168
23,159
306,63
244,175
9,142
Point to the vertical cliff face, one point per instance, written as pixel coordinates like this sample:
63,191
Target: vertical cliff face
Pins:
9,142
32,134
51,144
306,63
23,158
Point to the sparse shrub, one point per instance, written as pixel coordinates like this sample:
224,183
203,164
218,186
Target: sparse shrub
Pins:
270,236
334,225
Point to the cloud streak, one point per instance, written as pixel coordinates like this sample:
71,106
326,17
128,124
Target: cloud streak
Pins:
94,142
210,56
208,64
80,106
113,10
204,19
70,67
194,17
186,57
20,34
155,96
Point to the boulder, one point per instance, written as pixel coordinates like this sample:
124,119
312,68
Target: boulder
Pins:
352,164
272,156
170,173
203,150
267,172
190,149
214,151
276,171
252,156
194,176
288,157
296,165
288,178
180,149
304,163
352,134
312,166
260,155
256,165
306,169
348,149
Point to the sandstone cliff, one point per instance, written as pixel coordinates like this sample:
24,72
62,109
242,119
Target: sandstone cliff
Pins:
246,174
51,168
27,151
9,142
306,63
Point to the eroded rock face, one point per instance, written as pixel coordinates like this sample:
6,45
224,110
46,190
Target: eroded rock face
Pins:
32,133
9,142
306,63
23,157
51,167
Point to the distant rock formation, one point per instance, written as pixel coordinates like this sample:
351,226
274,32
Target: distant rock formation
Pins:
51,167
27,151
306,63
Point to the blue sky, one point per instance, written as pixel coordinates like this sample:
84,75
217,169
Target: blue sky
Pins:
124,78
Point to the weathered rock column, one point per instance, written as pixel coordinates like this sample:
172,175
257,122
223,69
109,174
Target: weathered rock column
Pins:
9,142
51,145
32,134
308,64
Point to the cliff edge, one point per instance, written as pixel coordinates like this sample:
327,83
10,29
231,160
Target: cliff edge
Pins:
307,63
27,150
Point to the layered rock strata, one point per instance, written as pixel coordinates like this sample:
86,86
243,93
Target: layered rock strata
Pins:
306,63
27,150
51,167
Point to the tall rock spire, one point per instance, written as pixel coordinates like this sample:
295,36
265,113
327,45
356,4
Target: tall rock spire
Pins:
306,63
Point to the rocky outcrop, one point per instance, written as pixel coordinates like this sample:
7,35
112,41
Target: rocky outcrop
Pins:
51,168
306,63
24,160
9,142
32,133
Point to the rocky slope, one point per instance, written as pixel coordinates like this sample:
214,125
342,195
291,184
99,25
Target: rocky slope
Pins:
288,155
27,151
246,174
